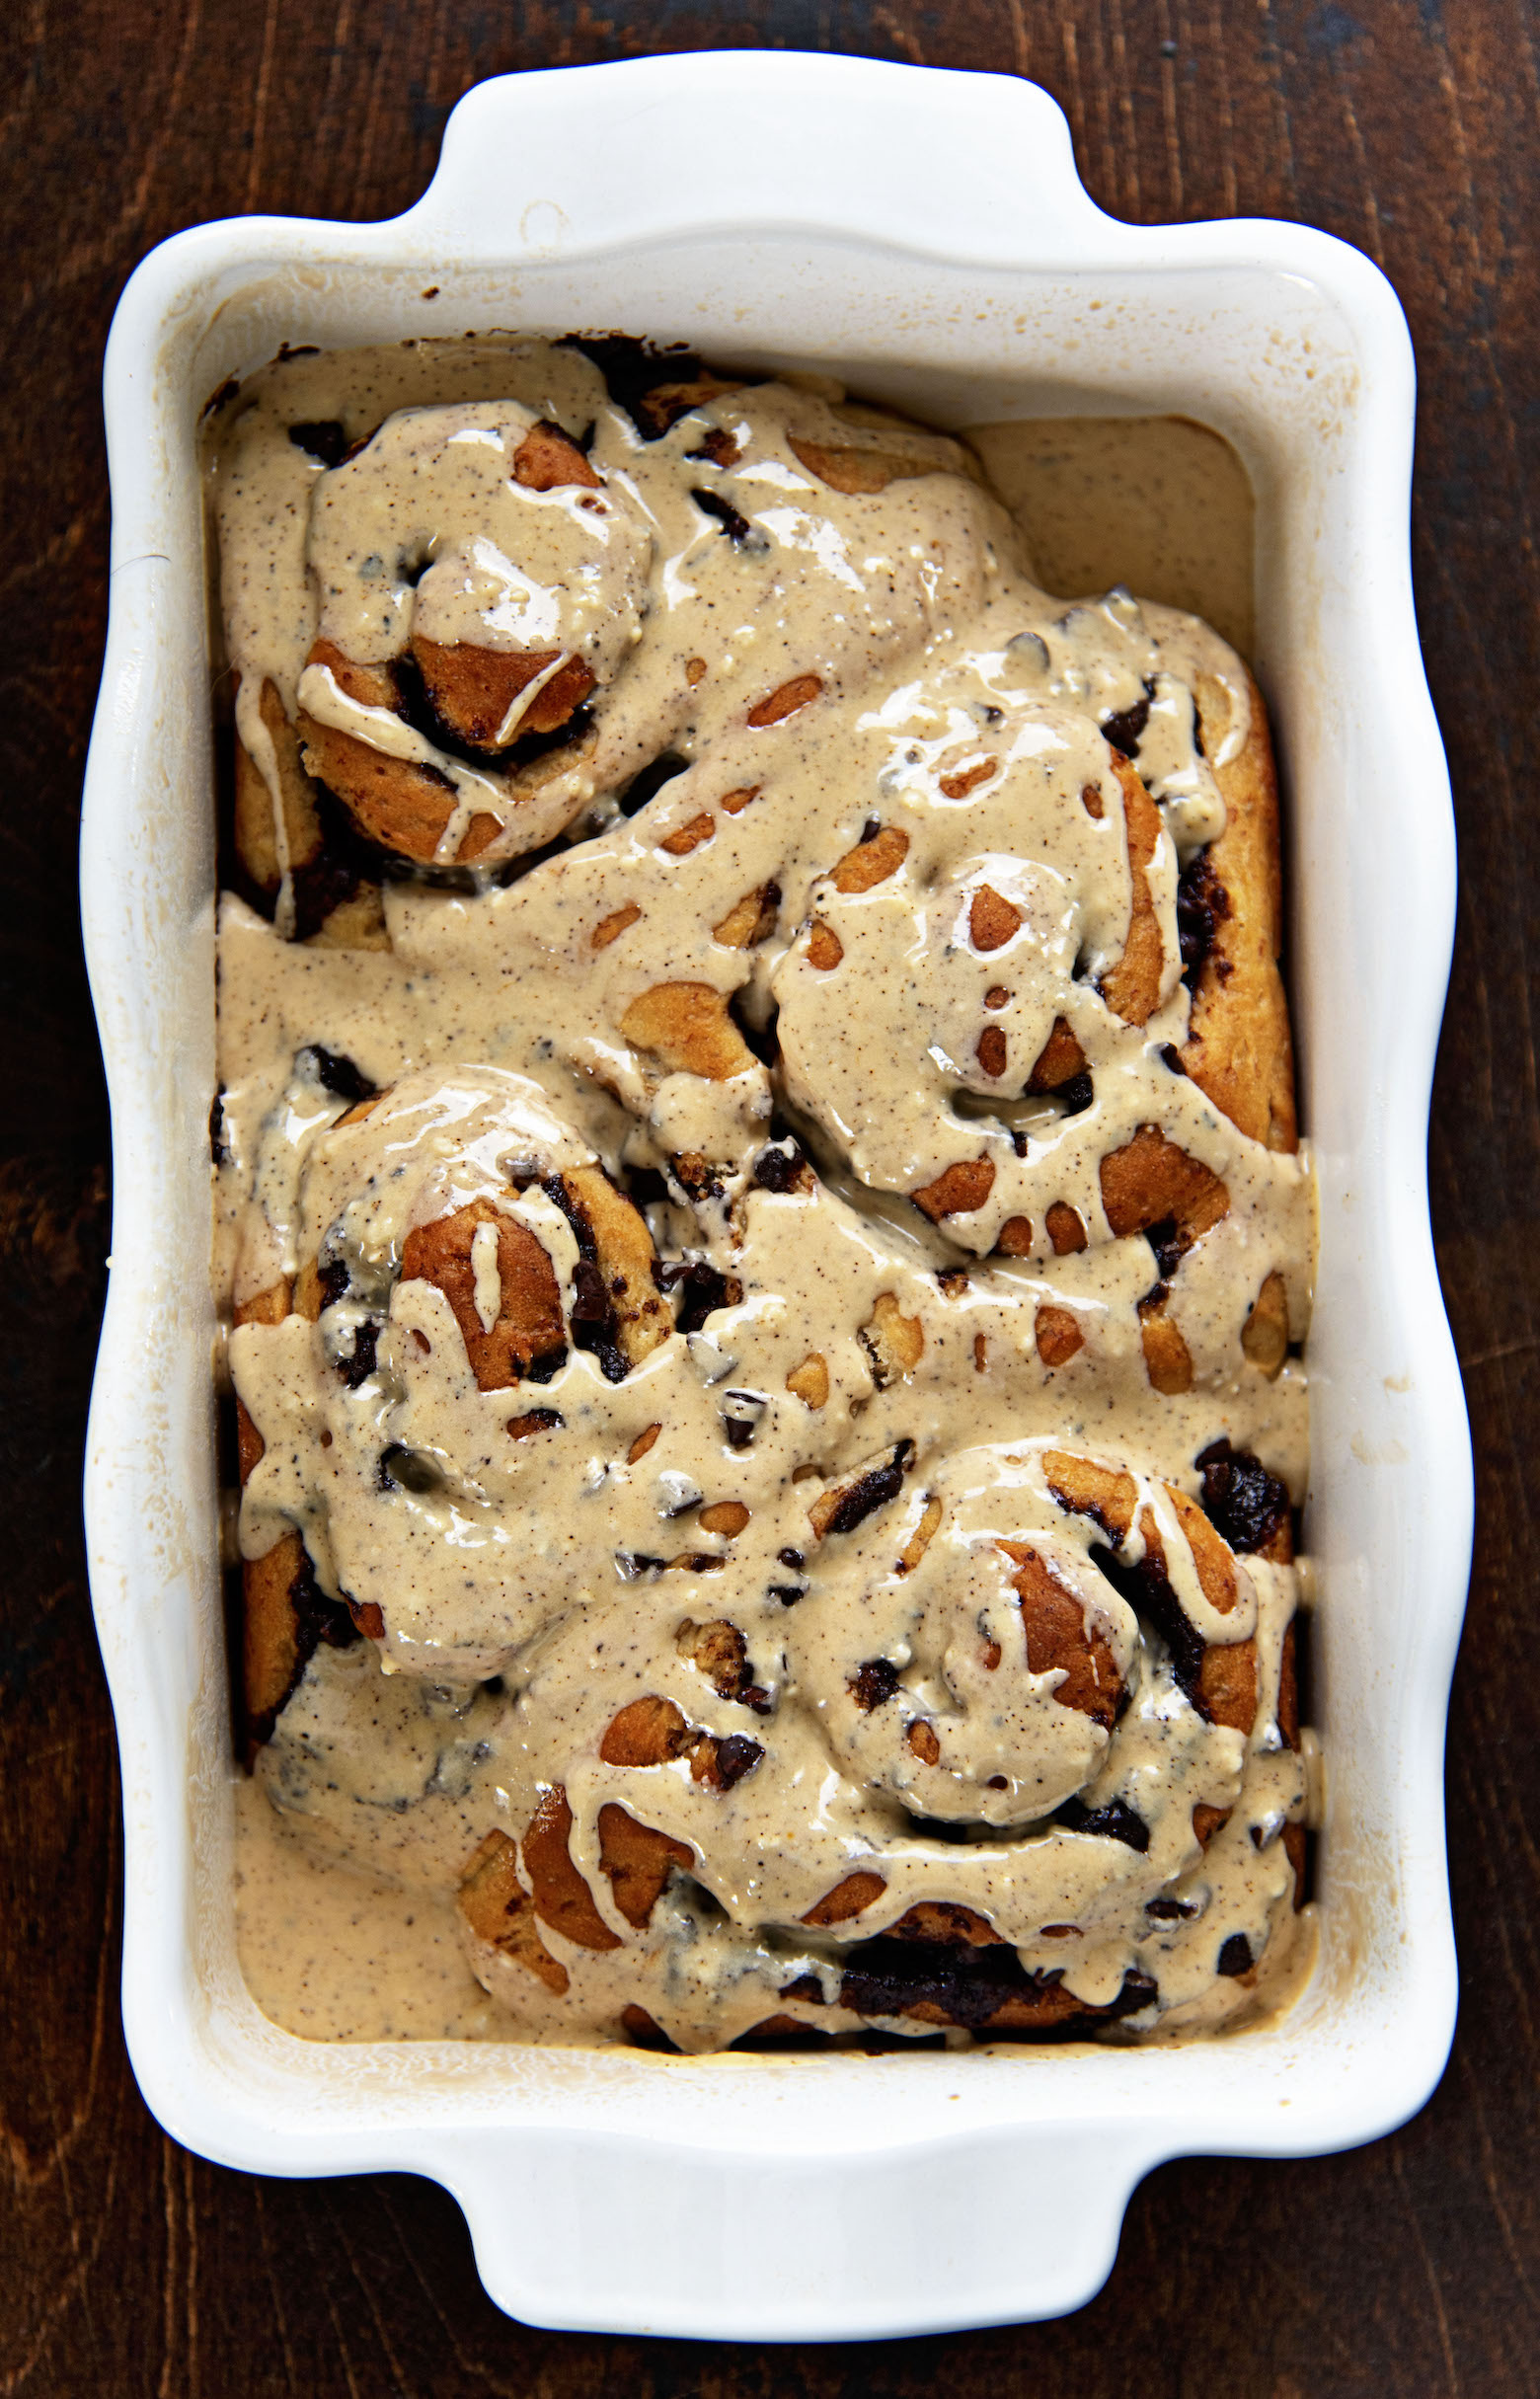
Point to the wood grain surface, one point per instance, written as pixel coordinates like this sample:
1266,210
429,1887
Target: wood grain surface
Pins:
127,2267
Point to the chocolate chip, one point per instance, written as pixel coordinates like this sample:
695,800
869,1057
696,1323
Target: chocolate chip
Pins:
357,1368
1235,1957
965,1984
1125,726
1114,1820
322,437
640,378
334,1278
1241,1499
1149,1591
736,1756
778,1169
873,1682
336,1073
631,1564
317,1619
736,526
702,1290
717,448
1167,1242
870,1491
1202,905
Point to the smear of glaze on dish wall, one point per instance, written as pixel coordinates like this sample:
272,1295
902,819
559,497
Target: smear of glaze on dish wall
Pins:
404,1774
1158,504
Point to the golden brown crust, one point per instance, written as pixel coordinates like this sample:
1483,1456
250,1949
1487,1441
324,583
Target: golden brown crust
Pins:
355,923
1168,1362
625,1255
270,1631
562,1896
850,1898
690,836
255,842
948,1921
1059,1060
547,461
1227,1686
1264,1333
1131,988
1212,1555
472,689
873,860
1238,1049
270,1624
639,1860
785,701
968,779
686,1026
753,920
957,1193
1150,1180
894,1343
721,1653
401,805
1066,1230
500,1911
1103,1493
1058,1334
919,1541
647,1731
992,922
1057,1637
610,928
860,473
529,1322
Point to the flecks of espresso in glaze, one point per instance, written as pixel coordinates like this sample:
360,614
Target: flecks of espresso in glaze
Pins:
847,660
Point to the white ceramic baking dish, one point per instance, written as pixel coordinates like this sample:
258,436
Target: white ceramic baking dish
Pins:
927,234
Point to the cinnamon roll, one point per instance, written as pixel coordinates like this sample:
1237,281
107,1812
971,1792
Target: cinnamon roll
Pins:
764,1225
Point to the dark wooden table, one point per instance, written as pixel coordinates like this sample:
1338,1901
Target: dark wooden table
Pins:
1412,127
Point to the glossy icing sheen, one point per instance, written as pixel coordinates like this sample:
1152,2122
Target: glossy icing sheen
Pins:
792,1534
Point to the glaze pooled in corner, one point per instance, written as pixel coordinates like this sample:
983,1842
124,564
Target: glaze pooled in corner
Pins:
758,1196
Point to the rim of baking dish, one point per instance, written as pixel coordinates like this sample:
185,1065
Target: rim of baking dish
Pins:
588,2176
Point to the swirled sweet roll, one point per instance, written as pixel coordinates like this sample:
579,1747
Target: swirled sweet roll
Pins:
768,1257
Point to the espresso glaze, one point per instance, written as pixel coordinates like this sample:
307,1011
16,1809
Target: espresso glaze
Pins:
539,1580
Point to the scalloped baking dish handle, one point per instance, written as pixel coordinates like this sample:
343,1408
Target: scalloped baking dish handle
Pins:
855,139
791,2248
